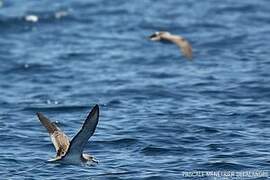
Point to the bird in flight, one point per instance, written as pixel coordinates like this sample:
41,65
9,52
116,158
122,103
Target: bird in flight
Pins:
181,42
71,152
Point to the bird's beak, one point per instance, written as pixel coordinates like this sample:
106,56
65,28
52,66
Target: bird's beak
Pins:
94,160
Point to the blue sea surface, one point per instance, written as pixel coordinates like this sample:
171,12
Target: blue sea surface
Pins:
161,115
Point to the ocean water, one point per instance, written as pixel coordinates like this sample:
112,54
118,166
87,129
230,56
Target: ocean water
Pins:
161,115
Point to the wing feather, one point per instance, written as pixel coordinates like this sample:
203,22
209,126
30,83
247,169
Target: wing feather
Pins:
59,139
79,141
182,43
185,47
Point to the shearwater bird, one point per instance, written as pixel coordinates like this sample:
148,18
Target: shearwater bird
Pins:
71,152
181,42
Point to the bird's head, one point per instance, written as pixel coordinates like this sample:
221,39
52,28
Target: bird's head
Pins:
157,36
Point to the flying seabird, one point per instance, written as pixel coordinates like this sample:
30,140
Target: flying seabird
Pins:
181,42
71,152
